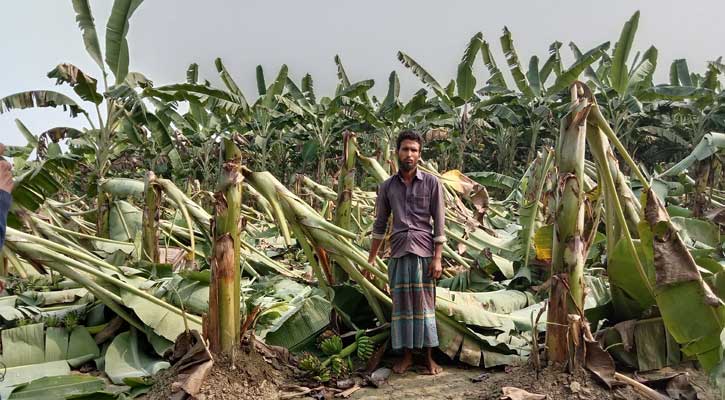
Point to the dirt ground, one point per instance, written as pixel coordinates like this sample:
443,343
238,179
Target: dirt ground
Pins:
456,382
253,376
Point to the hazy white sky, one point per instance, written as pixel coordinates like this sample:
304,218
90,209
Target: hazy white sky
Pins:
167,35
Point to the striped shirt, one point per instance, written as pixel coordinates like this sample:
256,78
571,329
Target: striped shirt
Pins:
418,214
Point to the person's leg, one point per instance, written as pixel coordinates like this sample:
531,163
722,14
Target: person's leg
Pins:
399,331
404,363
432,368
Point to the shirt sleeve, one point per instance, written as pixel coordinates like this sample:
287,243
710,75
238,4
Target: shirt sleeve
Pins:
382,212
5,200
438,212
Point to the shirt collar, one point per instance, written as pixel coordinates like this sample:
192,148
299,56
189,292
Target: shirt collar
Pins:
418,174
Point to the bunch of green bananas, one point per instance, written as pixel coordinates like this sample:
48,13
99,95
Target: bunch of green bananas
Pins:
331,345
338,366
310,363
365,346
323,375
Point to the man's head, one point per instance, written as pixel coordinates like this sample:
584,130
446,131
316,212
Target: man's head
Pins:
408,148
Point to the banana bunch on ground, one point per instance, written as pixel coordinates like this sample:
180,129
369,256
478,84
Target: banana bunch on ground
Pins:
309,363
365,346
339,366
332,345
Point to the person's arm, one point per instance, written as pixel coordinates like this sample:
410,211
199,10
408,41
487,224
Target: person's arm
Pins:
6,186
382,213
438,212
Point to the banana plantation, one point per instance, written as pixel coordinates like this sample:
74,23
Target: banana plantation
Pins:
189,224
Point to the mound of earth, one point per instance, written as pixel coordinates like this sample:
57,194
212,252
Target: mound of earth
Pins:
249,374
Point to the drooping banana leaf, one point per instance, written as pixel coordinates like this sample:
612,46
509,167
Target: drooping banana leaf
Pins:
163,321
692,313
710,144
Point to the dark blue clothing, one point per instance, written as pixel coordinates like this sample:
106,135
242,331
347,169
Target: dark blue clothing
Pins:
5,201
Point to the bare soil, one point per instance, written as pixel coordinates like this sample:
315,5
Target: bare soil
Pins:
252,376
249,376
456,382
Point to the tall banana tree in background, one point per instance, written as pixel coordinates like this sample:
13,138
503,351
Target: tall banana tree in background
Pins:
321,123
535,100
497,101
661,121
383,120
105,135
623,84
452,103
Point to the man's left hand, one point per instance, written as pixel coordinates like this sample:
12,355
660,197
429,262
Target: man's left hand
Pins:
435,269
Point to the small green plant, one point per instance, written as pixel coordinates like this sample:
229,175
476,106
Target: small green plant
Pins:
52,321
71,320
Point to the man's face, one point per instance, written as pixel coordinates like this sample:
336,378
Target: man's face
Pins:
408,154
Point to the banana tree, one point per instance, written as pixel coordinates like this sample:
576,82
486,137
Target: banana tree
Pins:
453,103
323,123
101,139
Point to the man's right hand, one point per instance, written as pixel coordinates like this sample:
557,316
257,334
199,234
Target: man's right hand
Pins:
6,176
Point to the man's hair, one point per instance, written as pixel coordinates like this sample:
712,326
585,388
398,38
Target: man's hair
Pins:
409,135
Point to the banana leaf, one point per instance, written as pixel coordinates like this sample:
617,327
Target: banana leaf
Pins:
23,345
692,313
15,376
57,387
710,144
163,321
125,358
301,323
124,221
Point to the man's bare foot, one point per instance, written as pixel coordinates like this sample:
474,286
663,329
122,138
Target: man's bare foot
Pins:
431,368
404,363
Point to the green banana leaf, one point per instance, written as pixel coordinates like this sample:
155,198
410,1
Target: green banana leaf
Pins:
125,358
300,323
23,345
57,387
692,313
15,376
164,322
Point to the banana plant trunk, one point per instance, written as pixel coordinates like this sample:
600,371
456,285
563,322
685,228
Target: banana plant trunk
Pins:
104,210
346,184
223,323
700,198
566,298
151,216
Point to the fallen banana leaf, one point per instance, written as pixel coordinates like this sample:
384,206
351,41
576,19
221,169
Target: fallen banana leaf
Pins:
18,375
125,358
23,345
305,322
163,321
57,387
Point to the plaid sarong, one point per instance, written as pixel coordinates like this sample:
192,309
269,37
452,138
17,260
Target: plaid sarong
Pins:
413,322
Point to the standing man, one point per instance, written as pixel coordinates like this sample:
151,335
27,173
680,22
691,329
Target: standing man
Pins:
6,186
416,246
